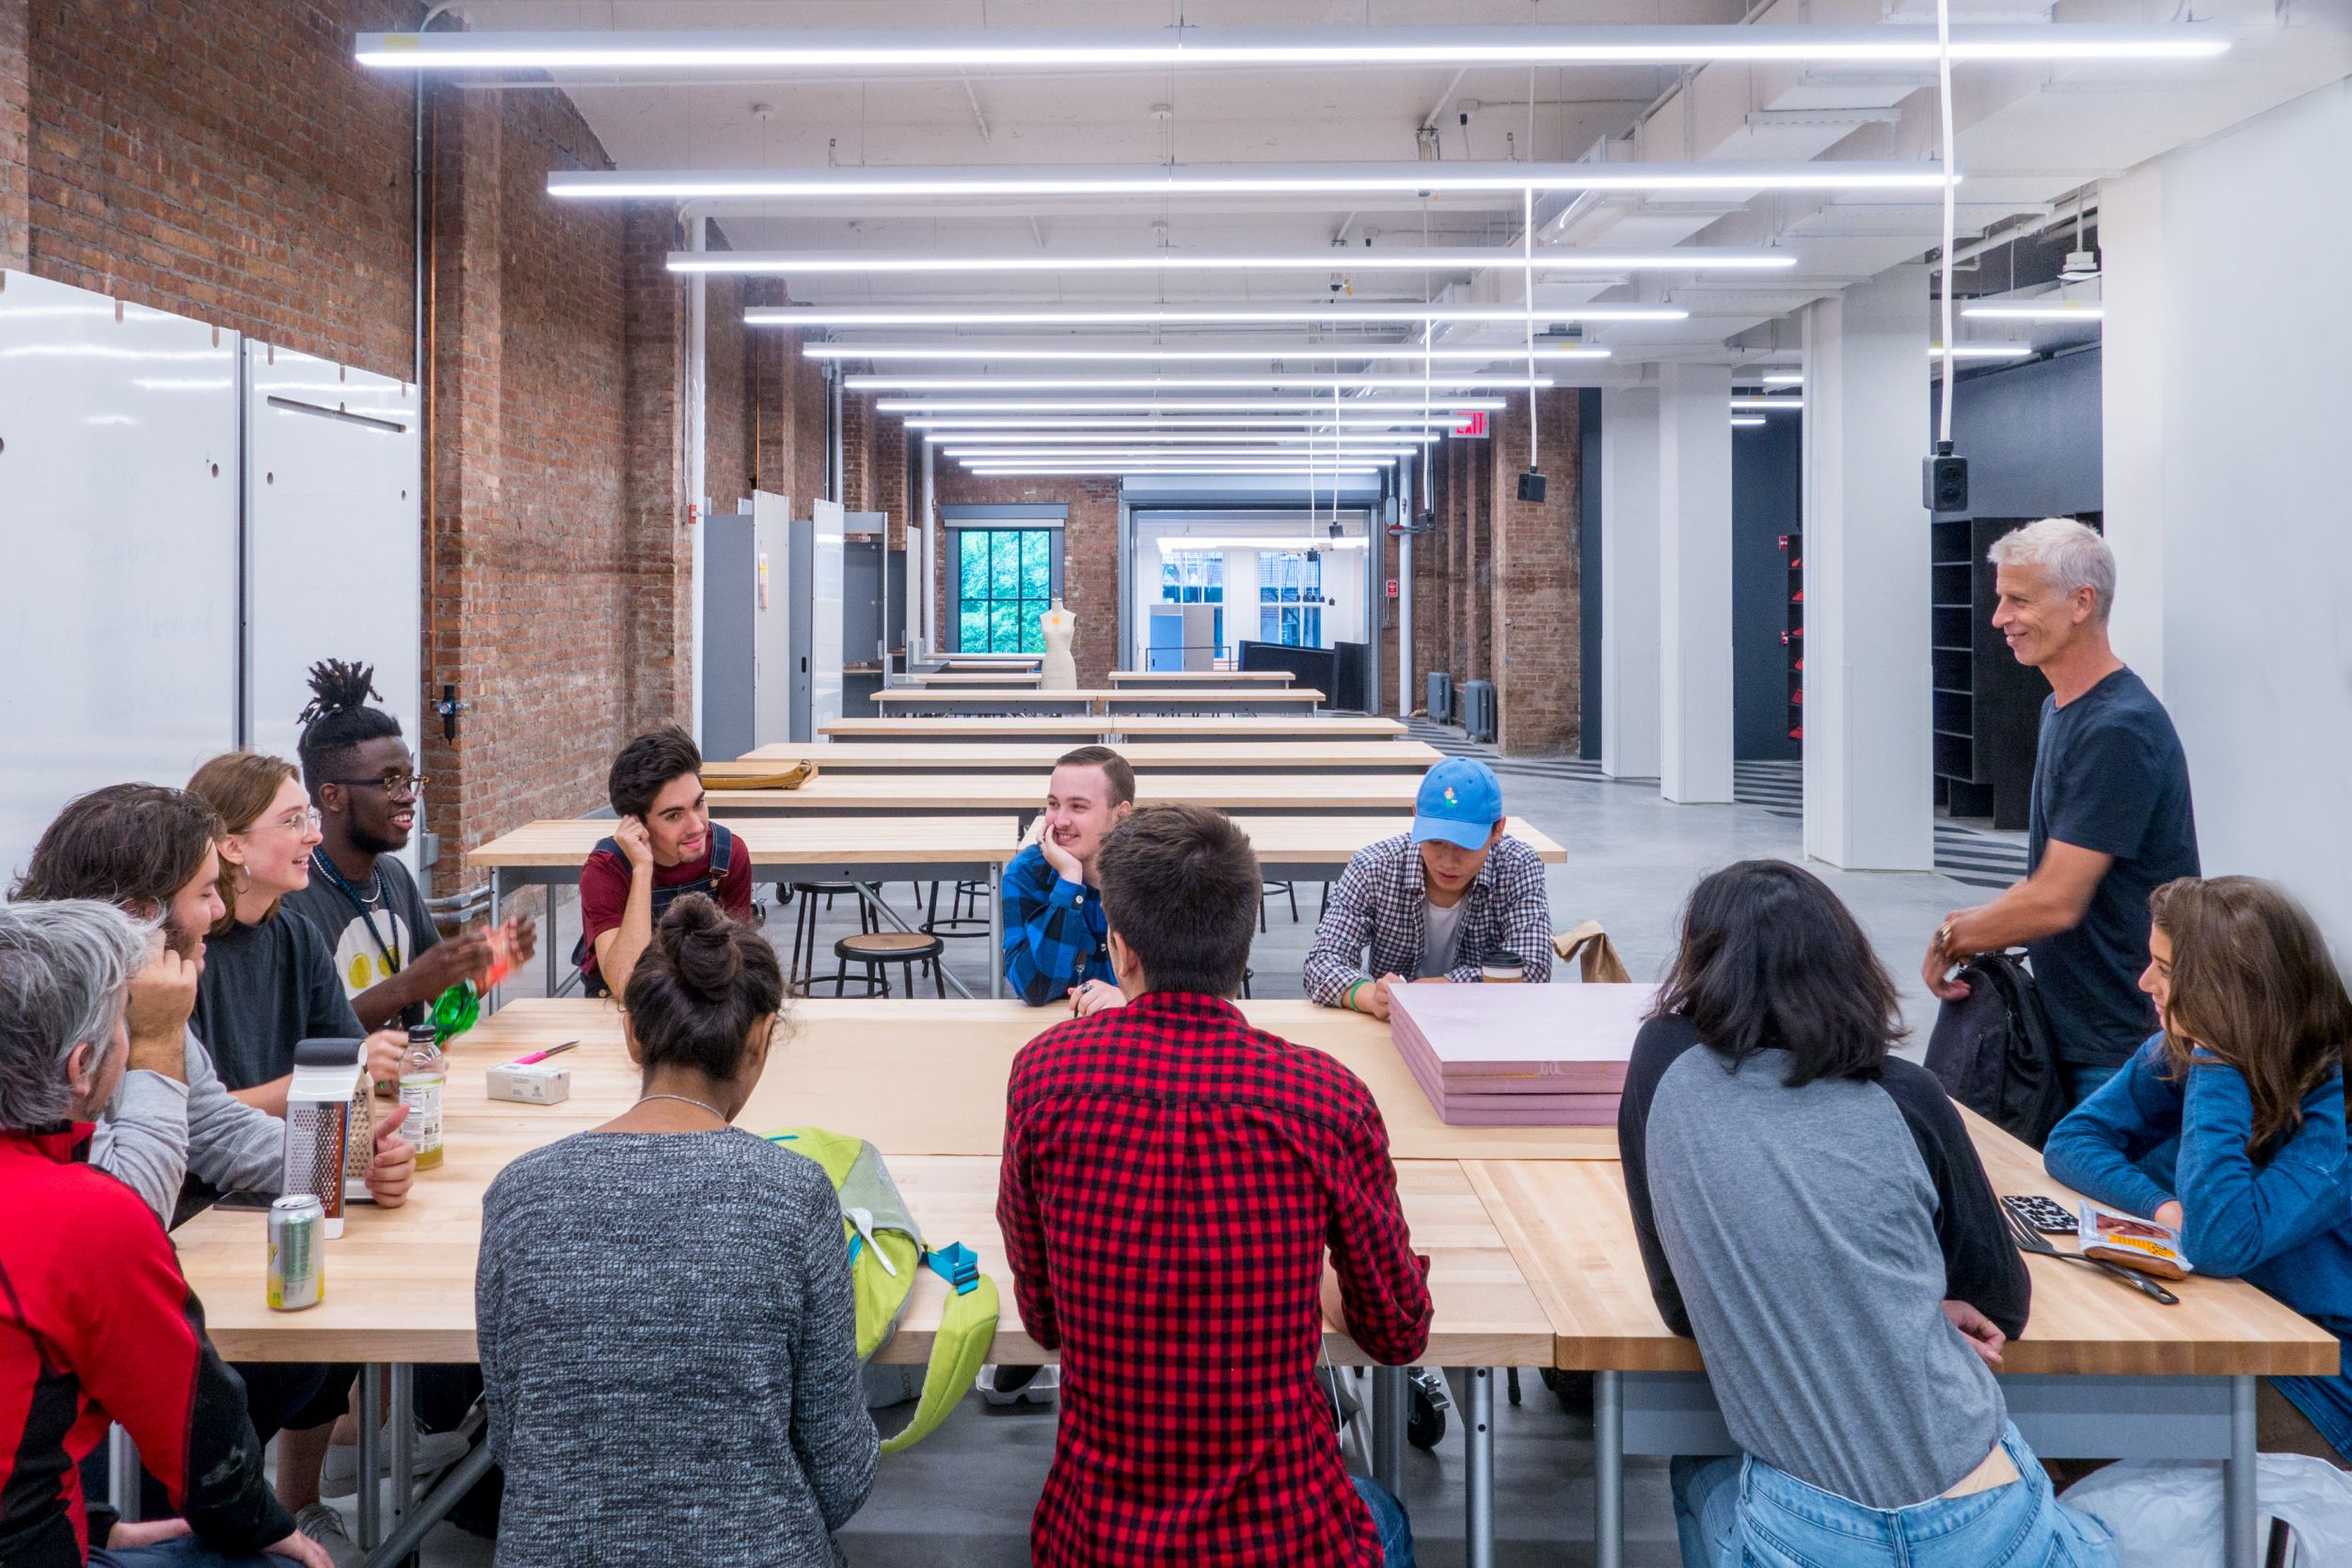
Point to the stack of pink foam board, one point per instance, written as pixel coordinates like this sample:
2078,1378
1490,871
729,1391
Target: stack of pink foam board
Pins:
1514,1055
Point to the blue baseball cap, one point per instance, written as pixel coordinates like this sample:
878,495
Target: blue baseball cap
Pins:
1460,802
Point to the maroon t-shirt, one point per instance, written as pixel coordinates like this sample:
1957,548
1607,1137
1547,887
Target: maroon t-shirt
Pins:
604,890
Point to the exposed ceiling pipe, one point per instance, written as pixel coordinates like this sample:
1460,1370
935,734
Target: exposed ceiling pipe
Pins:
2082,205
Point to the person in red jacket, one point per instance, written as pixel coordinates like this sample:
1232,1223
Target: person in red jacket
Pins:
1172,1182
97,1325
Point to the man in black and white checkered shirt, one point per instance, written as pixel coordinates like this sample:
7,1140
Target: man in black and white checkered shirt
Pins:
1440,903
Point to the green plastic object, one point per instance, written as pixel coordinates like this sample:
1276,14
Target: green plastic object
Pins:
456,1010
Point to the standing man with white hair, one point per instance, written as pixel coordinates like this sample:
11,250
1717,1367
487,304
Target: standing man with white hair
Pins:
2111,817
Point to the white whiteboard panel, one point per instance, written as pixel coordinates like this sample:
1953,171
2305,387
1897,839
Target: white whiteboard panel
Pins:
332,539
118,550
824,609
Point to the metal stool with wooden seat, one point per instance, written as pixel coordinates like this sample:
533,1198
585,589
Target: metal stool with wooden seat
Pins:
877,951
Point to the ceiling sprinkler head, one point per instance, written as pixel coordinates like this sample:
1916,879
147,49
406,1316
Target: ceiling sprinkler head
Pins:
1163,111
763,112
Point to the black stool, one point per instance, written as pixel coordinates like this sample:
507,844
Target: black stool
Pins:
954,923
804,925
1289,890
877,950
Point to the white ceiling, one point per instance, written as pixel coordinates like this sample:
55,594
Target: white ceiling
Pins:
2029,136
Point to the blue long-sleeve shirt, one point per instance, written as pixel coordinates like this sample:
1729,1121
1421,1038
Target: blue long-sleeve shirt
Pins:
2280,1218
1056,935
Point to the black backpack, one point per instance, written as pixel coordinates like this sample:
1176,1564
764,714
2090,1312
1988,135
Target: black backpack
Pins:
1992,1050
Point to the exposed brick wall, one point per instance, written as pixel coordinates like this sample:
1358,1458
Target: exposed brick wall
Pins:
15,96
1090,554
1537,568
857,449
227,162
730,455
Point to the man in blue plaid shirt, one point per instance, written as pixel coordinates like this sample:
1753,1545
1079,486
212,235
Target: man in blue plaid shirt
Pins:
1436,904
1056,939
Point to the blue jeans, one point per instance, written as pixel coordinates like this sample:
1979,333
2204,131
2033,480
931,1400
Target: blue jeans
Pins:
184,1551
1742,1513
1388,1513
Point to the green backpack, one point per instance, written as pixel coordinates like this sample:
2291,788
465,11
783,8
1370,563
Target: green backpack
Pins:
886,1247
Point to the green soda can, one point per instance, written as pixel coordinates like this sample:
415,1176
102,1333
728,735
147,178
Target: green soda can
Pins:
297,1263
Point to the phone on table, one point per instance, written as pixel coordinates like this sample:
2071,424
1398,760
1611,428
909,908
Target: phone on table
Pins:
2046,1214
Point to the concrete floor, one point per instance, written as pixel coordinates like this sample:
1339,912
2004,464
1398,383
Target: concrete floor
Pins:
962,1500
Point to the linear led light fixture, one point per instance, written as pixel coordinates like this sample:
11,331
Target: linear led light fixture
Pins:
1173,546
1175,423
1768,405
1201,355
1318,311
1396,258
1322,479
2053,310
1161,465
1169,48
1182,179
1984,350
1171,406
1179,383
1154,454
1748,424
1785,378
1321,440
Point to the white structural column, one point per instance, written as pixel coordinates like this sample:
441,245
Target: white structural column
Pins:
2224,485
1869,743
1694,582
2131,411
1628,582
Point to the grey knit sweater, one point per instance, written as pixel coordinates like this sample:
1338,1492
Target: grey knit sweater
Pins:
669,1354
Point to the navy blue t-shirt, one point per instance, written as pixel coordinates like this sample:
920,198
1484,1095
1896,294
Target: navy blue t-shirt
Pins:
2110,776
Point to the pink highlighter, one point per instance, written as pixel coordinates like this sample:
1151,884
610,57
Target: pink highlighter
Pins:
542,1055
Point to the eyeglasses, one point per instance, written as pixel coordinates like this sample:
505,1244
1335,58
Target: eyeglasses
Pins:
298,821
396,787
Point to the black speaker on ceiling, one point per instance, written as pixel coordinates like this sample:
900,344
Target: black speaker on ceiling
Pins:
1531,485
1943,481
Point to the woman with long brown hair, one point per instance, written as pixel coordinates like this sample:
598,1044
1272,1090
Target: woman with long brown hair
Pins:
2229,1124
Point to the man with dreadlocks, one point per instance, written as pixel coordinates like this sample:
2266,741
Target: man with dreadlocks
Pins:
364,782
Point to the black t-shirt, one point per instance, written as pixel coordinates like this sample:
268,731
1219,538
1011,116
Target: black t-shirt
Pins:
373,931
266,988
2109,775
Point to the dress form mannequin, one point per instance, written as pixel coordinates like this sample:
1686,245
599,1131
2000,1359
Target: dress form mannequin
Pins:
1059,672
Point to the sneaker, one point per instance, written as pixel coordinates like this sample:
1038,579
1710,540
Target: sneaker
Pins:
325,1526
338,1475
1010,1386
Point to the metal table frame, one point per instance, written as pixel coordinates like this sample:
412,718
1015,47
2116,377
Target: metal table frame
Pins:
2072,1416
867,877
390,1536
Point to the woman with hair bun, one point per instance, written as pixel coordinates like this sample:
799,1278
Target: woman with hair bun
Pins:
668,1340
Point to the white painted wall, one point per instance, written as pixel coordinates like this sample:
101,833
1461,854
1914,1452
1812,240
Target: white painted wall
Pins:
1694,582
2230,269
1628,582
1868,751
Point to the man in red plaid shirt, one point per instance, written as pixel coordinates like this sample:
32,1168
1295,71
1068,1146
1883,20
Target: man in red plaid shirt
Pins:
1171,1181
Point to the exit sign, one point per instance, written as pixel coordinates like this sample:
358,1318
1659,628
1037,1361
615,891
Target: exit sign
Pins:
1471,424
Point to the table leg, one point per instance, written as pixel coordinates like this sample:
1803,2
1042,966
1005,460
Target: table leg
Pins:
547,939
371,1414
1478,1445
122,1474
403,1417
1388,1404
2239,1549
1609,1469
995,931
495,890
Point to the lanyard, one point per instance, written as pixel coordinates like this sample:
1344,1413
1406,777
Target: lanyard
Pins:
319,859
